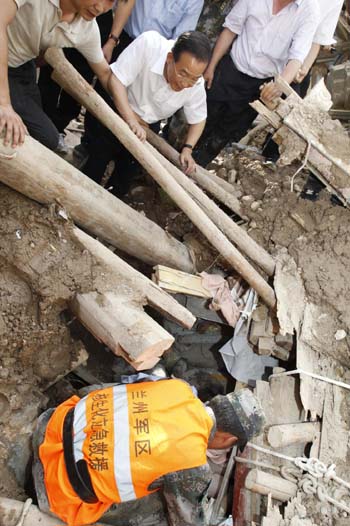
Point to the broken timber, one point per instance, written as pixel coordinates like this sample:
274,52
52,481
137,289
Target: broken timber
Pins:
43,176
178,282
65,75
234,232
116,317
302,123
217,187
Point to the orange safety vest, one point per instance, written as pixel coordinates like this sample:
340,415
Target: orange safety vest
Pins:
129,436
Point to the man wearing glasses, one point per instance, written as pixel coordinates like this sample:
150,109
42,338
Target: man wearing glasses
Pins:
151,80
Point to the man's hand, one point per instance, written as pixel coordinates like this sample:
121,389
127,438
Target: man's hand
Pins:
15,130
269,92
299,77
138,130
108,49
209,76
187,161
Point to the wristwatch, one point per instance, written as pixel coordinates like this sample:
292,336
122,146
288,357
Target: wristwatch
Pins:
188,146
113,37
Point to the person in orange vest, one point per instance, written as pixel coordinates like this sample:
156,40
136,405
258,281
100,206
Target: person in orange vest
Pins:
122,443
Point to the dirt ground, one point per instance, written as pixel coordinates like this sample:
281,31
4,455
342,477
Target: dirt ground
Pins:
42,267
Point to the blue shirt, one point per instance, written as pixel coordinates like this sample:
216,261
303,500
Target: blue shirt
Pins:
170,18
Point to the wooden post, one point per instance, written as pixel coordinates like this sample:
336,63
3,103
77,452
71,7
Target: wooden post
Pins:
43,176
125,275
119,322
234,233
217,187
266,484
65,74
287,434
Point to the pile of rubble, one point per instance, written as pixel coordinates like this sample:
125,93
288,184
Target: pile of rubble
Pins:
278,276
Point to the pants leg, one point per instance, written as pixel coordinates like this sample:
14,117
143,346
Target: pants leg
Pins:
26,101
229,113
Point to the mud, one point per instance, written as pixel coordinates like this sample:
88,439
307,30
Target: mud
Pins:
41,268
316,234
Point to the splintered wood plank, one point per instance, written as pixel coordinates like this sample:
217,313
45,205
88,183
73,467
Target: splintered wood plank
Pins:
176,281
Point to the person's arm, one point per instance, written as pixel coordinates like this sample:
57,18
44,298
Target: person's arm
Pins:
223,44
102,72
190,18
193,135
121,15
184,492
10,121
120,98
269,91
308,62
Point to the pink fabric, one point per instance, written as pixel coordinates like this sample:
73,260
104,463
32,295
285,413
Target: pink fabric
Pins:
222,298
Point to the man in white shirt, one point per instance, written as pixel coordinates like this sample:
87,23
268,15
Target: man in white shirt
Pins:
27,29
266,37
324,36
151,80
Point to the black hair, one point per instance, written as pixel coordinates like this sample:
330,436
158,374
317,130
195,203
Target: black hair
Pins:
195,43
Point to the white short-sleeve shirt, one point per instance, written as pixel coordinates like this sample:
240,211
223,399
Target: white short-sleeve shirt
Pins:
330,11
140,68
38,26
267,42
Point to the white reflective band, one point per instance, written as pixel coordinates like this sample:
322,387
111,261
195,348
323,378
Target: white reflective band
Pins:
122,467
79,424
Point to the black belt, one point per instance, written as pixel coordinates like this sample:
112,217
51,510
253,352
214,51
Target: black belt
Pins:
78,473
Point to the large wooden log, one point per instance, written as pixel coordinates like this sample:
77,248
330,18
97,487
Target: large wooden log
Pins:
44,177
266,484
217,187
148,292
70,80
287,434
118,321
11,510
234,233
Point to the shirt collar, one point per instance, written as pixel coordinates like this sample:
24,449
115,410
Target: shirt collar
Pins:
158,66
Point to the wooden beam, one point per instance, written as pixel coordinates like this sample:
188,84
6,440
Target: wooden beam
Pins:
118,321
235,233
178,282
43,176
214,185
65,74
124,274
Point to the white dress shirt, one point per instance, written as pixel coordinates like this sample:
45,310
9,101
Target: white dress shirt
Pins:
140,68
267,42
330,11
38,26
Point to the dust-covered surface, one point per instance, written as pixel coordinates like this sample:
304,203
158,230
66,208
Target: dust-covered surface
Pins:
41,269
312,240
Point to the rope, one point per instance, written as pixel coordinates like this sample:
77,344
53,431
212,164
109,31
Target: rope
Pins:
312,375
311,483
302,166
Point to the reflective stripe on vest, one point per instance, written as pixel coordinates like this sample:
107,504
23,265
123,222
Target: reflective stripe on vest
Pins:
130,435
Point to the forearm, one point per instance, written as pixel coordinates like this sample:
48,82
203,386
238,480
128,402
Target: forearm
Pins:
311,57
4,84
194,133
290,71
222,46
121,15
120,97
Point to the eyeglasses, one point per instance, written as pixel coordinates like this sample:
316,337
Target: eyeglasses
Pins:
189,80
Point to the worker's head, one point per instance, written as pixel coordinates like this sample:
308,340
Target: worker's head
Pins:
239,417
188,59
90,9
